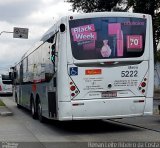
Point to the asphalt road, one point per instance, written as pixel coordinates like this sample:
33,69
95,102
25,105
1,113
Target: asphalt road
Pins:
20,130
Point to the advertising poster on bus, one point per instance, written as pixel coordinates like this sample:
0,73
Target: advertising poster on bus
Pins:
112,37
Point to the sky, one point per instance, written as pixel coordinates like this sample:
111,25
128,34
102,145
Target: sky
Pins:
36,15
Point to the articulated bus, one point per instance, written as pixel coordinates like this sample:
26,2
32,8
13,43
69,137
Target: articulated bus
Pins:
89,66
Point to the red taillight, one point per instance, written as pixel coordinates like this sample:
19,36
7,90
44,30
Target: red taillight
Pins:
143,84
0,88
109,63
72,88
74,91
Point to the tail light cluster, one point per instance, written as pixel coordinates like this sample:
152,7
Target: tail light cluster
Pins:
143,85
74,91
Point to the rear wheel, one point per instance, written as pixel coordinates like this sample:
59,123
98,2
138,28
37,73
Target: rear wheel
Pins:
18,106
16,100
40,117
33,110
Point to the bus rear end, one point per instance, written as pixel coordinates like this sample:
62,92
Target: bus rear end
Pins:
5,89
110,65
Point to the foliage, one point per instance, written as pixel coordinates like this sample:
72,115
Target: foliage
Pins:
1,103
92,5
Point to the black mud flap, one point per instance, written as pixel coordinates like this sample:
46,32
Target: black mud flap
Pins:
52,104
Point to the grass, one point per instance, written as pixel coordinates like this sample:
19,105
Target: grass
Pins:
1,103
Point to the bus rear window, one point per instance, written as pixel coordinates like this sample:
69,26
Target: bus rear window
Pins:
104,38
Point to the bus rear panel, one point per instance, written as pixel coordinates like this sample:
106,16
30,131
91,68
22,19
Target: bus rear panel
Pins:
110,67
89,66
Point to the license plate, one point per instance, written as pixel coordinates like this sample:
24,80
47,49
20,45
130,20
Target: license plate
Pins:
109,94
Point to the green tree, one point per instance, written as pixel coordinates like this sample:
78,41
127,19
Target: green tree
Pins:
151,7
93,5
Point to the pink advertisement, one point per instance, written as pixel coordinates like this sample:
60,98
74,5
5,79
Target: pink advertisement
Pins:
85,36
134,42
81,29
107,37
84,33
113,28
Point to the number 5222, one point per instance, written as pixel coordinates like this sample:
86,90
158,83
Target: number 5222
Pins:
130,73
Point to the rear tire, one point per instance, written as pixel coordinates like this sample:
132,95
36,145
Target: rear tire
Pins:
39,110
18,106
33,110
16,100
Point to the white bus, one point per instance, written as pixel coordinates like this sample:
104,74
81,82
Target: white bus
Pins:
5,89
89,66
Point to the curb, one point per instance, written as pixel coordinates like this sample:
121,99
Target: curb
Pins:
156,110
4,111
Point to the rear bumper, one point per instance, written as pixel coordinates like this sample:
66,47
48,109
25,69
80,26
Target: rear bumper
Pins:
105,108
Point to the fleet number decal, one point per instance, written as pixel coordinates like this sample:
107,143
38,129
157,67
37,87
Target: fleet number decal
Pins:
131,73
